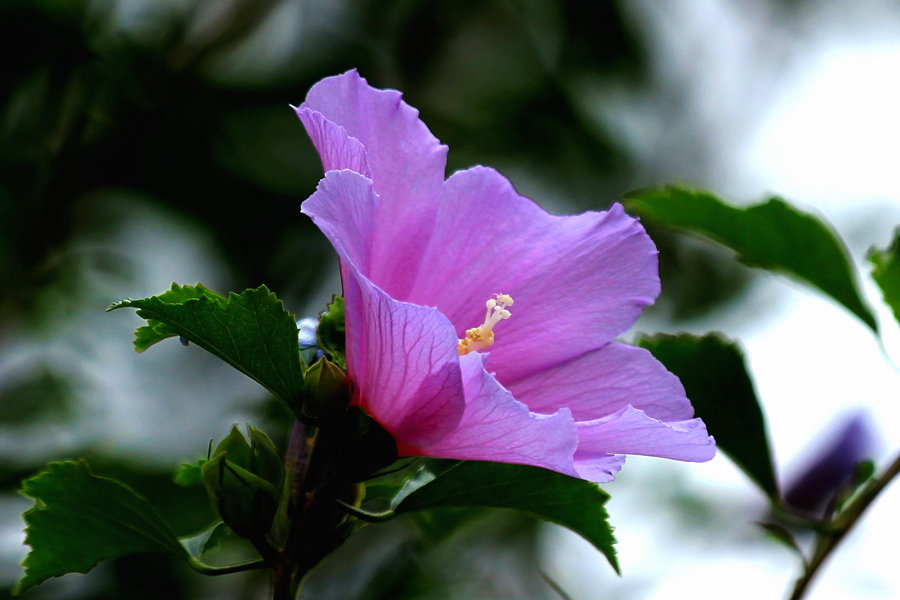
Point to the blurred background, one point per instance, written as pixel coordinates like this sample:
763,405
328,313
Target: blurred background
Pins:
149,141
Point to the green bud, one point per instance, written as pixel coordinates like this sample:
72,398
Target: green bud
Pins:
327,390
244,481
266,461
236,447
246,502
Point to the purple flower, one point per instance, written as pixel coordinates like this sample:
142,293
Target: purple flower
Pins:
832,465
479,326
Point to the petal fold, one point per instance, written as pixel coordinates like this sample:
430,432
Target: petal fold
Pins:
631,431
370,231
497,427
337,148
346,209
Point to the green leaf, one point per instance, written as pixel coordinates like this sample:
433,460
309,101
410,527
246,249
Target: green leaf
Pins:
207,540
80,519
567,501
714,375
772,235
250,331
156,331
781,534
886,273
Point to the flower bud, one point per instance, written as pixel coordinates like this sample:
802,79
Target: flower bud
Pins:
266,461
244,482
327,390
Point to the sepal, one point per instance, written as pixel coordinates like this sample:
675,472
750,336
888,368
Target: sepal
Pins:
331,333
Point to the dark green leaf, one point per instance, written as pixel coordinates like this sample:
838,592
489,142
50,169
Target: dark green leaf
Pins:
331,332
156,331
771,235
716,381
217,534
207,540
886,273
80,519
781,534
251,331
567,501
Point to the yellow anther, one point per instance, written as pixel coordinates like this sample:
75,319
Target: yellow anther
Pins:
479,338
504,299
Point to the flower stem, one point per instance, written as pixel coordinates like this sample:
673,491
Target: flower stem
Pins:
828,540
318,521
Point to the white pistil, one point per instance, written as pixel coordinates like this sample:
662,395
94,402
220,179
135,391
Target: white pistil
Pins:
479,338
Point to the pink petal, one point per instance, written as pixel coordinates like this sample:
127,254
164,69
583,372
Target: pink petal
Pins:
631,431
369,231
604,381
403,362
598,467
337,149
497,427
345,208
407,162
577,281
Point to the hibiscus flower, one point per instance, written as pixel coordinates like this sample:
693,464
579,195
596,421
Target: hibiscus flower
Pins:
479,326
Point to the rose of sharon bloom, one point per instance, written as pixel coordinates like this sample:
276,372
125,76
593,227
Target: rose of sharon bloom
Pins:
479,326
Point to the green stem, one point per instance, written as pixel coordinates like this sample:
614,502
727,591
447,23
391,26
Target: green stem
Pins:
827,541
791,516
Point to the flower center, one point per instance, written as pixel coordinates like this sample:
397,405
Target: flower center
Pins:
479,338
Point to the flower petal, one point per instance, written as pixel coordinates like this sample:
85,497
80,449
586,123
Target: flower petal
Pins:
631,431
346,209
604,381
406,161
360,226
598,467
403,361
577,281
497,427
337,149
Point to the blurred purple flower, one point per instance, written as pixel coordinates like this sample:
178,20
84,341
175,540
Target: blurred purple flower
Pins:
424,261
832,465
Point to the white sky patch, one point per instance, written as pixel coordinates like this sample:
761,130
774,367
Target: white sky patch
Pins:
832,135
